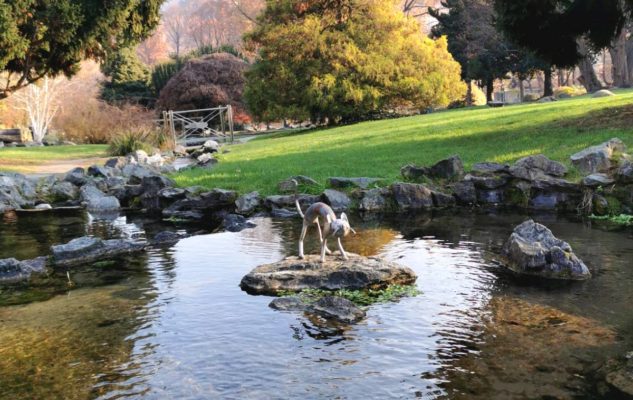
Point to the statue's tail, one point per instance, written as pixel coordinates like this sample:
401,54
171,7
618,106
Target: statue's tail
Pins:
294,181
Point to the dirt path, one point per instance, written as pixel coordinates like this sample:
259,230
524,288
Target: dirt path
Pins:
52,167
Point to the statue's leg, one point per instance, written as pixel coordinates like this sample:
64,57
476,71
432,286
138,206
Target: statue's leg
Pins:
321,237
323,247
304,229
340,248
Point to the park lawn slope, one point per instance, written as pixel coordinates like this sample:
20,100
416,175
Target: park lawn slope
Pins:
381,148
38,159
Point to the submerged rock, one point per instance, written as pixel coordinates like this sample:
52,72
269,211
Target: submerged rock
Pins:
294,274
534,250
618,376
337,308
329,307
12,270
167,238
86,249
236,223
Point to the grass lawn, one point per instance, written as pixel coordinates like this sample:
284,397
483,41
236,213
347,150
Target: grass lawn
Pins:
37,159
380,148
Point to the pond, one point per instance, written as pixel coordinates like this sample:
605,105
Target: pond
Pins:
173,323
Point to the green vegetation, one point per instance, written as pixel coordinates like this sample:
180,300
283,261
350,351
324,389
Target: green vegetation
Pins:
344,61
381,148
24,159
358,297
39,38
129,78
622,219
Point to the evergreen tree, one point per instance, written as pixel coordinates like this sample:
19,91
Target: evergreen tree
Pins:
129,78
50,37
345,60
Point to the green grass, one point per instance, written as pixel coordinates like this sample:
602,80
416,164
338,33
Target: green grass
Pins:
30,159
380,148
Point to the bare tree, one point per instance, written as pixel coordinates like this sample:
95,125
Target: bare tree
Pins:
39,101
175,29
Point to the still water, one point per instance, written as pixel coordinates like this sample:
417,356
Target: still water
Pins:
173,323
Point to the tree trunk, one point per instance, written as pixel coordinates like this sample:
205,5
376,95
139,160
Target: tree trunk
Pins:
490,88
469,93
619,60
521,91
588,76
629,57
604,67
548,89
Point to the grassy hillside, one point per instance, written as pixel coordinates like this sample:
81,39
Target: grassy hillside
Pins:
380,148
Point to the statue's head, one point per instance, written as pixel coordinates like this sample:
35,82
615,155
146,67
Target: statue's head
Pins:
340,227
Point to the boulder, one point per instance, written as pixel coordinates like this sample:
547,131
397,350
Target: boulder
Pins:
600,158
43,207
602,93
625,173
116,162
87,249
537,167
597,180
450,169
248,203
236,223
96,200
12,270
374,200
151,186
283,213
99,171
337,308
293,274
206,159
443,200
166,238
489,182
465,192
194,206
532,249
135,173
140,156
339,201
76,176
410,196
600,204
211,146
343,183
15,192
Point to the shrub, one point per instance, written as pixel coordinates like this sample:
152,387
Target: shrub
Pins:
566,92
162,73
146,139
479,99
130,142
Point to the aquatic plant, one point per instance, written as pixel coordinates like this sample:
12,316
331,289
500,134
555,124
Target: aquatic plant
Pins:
622,219
359,297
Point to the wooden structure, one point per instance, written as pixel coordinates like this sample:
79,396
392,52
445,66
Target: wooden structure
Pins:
15,135
191,125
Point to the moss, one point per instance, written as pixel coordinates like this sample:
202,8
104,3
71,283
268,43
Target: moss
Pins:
358,297
516,197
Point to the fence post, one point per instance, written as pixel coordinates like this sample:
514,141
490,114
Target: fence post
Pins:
170,115
222,127
229,113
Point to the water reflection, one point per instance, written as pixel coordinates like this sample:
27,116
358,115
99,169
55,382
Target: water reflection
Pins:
173,323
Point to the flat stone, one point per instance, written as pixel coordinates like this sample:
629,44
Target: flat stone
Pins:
596,180
166,238
289,303
236,223
489,182
362,182
532,249
87,249
295,275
